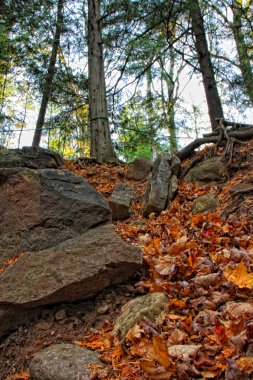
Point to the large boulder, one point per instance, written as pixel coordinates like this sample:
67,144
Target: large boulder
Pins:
56,243
156,196
120,201
70,271
63,362
29,157
211,170
41,208
139,169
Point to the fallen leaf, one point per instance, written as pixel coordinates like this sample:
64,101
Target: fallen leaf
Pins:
207,280
157,350
238,309
184,351
155,372
181,245
245,364
239,276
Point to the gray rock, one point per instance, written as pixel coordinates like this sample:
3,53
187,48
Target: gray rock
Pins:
30,157
173,187
41,208
120,201
156,196
175,165
139,169
204,203
149,306
211,170
70,271
63,362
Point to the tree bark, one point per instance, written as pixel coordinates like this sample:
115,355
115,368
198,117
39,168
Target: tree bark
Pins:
242,49
49,76
101,143
151,115
206,67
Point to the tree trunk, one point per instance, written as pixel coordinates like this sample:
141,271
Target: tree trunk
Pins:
49,77
206,67
242,49
169,104
101,143
151,115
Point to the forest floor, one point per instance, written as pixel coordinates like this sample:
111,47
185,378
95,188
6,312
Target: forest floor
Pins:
202,262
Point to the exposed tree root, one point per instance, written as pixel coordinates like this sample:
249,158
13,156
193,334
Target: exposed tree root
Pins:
237,133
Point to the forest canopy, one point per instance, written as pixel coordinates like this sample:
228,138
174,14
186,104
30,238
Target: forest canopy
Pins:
108,78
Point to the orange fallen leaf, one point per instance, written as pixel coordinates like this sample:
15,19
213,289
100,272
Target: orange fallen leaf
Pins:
181,245
246,364
154,371
157,350
239,276
20,376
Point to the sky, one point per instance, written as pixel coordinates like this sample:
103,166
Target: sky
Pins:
192,95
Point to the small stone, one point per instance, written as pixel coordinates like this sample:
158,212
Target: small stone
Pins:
139,169
102,309
211,170
204,203
63,362
60,315
149,306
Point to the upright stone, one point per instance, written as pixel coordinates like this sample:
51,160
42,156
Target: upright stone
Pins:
156,196
120,201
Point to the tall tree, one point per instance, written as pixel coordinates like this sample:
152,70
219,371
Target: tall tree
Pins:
239,21
49,76
242,47
205,63
101,143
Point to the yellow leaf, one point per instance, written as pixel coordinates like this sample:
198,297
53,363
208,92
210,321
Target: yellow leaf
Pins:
246,364
239,276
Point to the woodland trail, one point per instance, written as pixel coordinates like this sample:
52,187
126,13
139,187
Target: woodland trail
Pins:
202,262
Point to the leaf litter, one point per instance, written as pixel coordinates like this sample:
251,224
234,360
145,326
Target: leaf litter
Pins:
204,265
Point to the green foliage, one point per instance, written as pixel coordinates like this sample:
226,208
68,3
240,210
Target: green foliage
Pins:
136,137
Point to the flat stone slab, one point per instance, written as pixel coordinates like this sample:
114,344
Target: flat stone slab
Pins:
120,201
63,362
70,271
